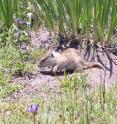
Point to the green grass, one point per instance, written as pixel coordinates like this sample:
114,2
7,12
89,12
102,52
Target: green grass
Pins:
96,15
6,90
38,53
7,10
13,60
75,104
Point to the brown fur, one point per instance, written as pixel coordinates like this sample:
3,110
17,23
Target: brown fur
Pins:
69,60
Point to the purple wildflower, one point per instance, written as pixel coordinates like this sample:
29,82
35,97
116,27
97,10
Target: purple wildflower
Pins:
19,21
17,34
33,108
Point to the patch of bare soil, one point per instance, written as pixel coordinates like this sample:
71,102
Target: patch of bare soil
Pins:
40,85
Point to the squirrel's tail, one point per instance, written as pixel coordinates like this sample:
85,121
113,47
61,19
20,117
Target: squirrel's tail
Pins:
93,65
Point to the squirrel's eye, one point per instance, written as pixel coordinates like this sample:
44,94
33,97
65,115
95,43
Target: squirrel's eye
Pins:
43,60
51,55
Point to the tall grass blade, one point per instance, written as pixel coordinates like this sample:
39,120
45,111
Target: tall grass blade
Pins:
7,10
112,21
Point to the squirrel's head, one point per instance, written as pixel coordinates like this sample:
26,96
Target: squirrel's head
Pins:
48,62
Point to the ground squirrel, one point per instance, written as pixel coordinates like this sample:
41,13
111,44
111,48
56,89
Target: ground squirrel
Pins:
69,60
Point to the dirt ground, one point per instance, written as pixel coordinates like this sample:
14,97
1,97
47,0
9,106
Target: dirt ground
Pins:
43,85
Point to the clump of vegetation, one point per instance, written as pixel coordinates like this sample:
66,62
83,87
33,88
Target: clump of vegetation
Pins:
16,56
7,10
95,18
75,104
